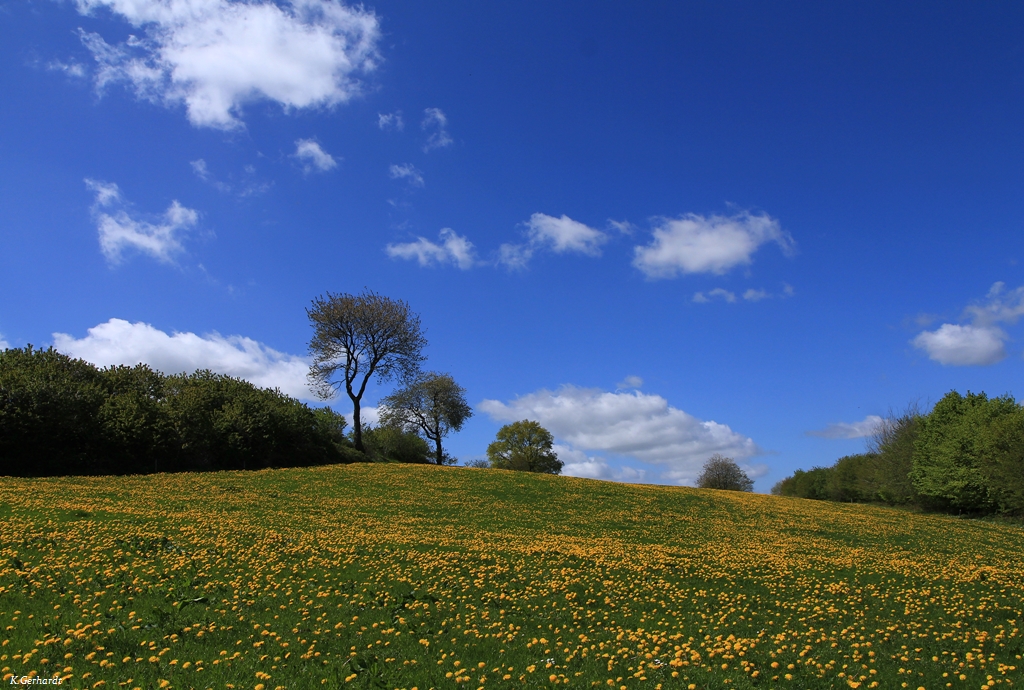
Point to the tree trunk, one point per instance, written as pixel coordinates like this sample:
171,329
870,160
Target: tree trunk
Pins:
438,454
357,435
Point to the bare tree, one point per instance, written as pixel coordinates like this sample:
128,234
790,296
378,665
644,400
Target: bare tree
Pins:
721,472
356,337
432,404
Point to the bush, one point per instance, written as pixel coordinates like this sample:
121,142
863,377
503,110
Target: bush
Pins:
811,484
721,472
393,444
1001,462
60,415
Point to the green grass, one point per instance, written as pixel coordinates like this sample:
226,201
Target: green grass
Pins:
388,576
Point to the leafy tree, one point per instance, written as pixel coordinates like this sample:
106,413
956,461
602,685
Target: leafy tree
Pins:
720,472
356,337
811,484
431,404
1001,461
49,404
524,446
893,443
133,417
946,470
394,444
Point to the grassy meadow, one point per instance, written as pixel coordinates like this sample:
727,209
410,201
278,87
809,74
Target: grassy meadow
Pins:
399,576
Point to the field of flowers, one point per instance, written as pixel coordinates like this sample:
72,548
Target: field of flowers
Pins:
399,576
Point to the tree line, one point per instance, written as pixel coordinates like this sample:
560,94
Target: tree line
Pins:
62,416
965,456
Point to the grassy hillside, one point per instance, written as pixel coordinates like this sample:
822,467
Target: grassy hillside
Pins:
399,576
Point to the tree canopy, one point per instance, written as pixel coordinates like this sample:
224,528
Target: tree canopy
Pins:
432,404
356,337
524,446
720,472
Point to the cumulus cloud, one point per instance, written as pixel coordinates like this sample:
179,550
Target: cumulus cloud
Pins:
391,121
564,235
217,55
631,424
312,157
579,464
120,342
980,342
435,122
452,249
861,429
406,171
120,232
698,244
967,345
560,235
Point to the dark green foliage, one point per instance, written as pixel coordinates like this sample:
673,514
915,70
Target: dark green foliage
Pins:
49,404
524,446
946,471
1001,461
894,443
720,472
805,484
430,404
60,415
394,444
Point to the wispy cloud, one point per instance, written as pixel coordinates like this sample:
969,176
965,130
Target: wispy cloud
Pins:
216,55
391,121
120,232
407,172
436,123
451,249
861,429
699,244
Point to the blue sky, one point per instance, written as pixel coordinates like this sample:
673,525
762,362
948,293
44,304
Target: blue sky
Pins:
662,231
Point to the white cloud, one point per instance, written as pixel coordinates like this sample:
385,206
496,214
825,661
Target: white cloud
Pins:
630,382
962,346
981,342
564,235
634,424
406,171
118,231
753,295
579,464
695,244
717,293
437,123
560,235
514,256
313,158
391,121
216,55
3,343
71,68
623,226
453,249
861,429
120,342
247,186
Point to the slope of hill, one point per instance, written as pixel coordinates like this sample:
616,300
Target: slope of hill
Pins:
399,576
